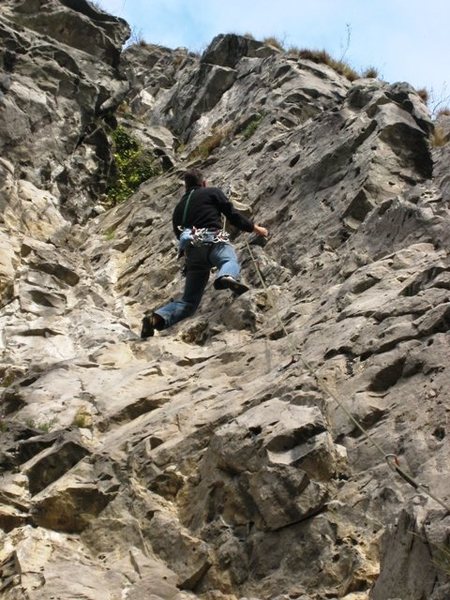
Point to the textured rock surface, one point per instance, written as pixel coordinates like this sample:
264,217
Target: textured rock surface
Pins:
60,79
209,462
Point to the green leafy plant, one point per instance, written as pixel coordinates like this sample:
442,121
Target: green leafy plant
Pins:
133,166
44,426
110,234
252,126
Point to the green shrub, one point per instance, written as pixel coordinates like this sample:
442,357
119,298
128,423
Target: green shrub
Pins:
110,234
134,165
252,126
44,426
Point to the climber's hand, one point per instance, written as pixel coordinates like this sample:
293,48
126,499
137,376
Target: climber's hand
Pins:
261,231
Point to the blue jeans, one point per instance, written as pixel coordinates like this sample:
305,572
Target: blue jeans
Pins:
199,261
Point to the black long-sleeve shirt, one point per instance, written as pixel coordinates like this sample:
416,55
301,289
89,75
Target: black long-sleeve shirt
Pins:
206,205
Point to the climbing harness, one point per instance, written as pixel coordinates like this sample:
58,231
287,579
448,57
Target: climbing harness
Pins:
392,460
201,237
204,236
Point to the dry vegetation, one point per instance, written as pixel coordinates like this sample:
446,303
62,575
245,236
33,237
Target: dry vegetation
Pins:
323,57
439,137
370,72
210,143
423,95
320,57
275,42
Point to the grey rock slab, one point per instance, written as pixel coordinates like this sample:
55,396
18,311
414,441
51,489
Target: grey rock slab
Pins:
52,463
71,502
51,86
284,495
267,466
190,561
75,23
8,265
227,50
14,501
215,458
412,558
49,563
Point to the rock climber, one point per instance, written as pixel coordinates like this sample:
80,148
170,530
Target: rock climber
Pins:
197,224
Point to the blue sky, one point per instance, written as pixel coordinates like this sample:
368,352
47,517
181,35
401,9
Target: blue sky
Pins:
406,40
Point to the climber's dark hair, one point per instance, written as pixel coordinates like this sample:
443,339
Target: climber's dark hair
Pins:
192,178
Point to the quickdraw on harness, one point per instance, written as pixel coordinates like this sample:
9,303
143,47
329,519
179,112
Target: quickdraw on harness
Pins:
201,237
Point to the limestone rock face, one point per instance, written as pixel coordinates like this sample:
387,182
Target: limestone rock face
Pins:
222,459
60,75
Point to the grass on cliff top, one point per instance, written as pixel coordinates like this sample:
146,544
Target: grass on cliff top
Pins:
133,166
321,57
340,66
438,102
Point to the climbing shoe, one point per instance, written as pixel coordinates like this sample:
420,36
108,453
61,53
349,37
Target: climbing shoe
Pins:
148,329
149,324
230,283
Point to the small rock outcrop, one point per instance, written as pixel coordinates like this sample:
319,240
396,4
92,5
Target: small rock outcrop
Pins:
221,459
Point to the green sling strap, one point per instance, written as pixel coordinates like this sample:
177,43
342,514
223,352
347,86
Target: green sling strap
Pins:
186,207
